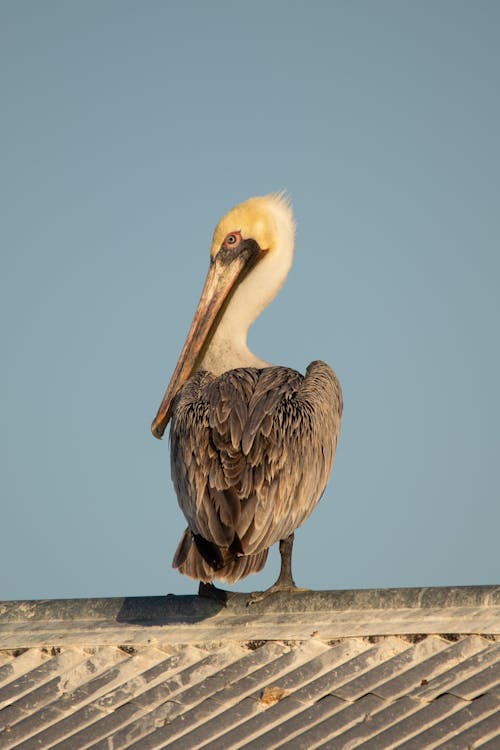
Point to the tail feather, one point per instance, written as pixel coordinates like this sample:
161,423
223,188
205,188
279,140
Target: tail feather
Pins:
192,559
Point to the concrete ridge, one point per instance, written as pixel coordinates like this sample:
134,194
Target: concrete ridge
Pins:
161,610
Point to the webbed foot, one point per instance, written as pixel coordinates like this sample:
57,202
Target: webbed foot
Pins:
210,591
276,588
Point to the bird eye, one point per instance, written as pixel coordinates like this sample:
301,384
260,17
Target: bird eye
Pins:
232,239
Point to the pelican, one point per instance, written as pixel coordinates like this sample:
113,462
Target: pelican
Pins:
251,444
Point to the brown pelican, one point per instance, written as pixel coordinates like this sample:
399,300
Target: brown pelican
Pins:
252,444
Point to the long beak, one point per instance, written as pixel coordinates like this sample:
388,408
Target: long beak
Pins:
221,280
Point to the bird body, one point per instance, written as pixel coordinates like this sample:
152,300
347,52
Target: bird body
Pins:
252,444
251,453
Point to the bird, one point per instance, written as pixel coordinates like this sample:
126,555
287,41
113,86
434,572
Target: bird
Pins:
252,444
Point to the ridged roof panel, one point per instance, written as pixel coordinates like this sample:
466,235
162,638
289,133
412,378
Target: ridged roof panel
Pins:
370,693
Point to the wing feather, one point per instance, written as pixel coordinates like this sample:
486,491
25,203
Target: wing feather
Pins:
252,451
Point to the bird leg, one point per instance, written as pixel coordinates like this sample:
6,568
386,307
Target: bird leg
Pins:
285,580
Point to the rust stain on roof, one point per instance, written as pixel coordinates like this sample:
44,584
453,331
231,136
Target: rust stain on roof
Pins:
272,695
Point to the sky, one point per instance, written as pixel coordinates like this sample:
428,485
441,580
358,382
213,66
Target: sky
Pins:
127,130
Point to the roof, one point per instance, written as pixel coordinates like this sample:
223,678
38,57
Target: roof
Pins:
370,669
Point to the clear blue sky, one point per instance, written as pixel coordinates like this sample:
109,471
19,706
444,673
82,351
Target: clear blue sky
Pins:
127,130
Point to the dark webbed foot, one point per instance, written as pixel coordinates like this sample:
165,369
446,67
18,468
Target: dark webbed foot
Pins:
210,591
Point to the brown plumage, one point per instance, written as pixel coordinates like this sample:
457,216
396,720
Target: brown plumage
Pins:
251,454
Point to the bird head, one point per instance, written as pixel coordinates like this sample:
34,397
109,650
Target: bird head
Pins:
250,256
267,220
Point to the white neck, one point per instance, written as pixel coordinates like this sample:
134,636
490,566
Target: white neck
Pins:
228,348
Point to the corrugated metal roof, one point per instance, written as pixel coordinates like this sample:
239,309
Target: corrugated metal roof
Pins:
371,691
